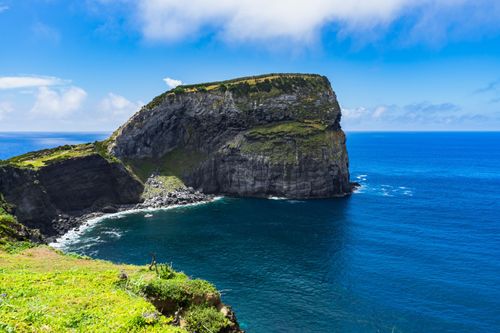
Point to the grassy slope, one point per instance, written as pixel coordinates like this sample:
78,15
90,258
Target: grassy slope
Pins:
43,290
41,158
46,291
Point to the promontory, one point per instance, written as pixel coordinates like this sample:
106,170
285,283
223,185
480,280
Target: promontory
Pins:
269,135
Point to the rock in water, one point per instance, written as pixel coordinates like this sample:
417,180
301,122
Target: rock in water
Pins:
271,135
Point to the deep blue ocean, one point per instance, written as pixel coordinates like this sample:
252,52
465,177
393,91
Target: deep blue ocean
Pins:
416,249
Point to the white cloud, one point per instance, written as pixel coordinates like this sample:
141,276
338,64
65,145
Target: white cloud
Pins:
172,83
119,106
16,82
379,112
403,117
5,107
3,8
58,103
302,20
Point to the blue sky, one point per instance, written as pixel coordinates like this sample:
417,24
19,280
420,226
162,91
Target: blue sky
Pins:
395,64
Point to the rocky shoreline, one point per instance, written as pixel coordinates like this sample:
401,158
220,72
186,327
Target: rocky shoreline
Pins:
179,197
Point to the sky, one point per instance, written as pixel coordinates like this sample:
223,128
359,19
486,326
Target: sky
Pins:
395,65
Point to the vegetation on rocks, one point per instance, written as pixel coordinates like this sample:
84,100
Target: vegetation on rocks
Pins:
38,159
43,290
268,85
172,166
288,142
13,235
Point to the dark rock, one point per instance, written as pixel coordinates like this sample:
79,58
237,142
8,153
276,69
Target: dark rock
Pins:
234,145
109,209
67,187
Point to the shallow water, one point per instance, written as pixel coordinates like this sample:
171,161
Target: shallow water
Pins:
417,249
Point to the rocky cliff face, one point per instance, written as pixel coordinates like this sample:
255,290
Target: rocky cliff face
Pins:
42,197
260,136
272,135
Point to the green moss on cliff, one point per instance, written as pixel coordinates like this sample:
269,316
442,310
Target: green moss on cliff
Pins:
13,235
289,142
173,164
263,86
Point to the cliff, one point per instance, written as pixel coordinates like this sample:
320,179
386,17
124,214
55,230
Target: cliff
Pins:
47,187
271,135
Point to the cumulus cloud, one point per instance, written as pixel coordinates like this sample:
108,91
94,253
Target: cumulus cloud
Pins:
16,82
119,106
172,83
58,103
5,107
302,21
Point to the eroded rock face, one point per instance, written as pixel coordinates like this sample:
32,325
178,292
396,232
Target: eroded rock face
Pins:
281,137
66,187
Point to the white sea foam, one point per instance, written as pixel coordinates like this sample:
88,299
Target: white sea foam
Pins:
74,235
113,233
277,198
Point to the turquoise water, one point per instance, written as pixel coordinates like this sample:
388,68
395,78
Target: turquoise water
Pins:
417,249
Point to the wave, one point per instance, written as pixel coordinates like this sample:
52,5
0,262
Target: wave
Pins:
73,235
385,190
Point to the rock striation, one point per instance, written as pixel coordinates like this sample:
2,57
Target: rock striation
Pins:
271,135
46,198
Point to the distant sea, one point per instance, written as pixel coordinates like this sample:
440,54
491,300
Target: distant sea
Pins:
416,249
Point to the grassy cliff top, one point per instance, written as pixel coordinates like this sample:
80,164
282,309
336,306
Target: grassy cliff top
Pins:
44,290
254,80
41,158
273,82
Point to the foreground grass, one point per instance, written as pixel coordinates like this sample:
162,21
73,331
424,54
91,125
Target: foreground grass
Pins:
45,290
42,290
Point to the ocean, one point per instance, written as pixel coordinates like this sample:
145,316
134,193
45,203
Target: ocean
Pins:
415,249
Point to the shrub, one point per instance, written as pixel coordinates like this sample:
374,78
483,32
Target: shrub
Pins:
165,271
205,320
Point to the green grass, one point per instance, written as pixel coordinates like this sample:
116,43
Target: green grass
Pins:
289,142
38,159
202,319
45,291
174,164
12,233
169,184
263,86
177,288
286,128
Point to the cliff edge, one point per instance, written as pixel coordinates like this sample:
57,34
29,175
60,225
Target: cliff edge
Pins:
269,135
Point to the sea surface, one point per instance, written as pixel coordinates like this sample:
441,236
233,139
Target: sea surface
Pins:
416,249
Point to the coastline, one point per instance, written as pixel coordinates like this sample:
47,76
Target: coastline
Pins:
83,222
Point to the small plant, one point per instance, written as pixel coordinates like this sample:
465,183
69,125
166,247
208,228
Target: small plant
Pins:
205,320
165,271
179,90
